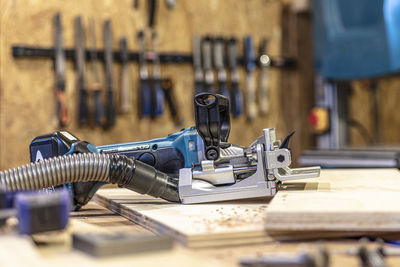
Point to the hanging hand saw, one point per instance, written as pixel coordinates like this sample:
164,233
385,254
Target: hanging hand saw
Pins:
251,105
83,111
62,110
108,56
198,72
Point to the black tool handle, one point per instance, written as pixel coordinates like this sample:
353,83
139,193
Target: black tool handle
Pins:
168,88
236,100
98,107
212,121
125,89
236,94
157,98
83,107
152,12
168,160
62,109
110,110
144,99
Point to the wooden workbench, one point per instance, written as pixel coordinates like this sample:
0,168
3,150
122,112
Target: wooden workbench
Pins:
55,249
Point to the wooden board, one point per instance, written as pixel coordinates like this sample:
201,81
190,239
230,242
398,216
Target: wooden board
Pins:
339,203
192,225
339,200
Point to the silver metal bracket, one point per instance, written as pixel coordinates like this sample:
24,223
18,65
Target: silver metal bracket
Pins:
200,191
213,183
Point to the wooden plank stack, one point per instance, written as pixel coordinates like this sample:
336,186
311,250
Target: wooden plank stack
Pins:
339,203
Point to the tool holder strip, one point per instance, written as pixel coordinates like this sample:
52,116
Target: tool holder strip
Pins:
22,51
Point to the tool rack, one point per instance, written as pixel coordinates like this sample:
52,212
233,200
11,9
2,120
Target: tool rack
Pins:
22,51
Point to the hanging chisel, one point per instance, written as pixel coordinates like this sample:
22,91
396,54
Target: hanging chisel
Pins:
59,64
144,98
265,61
236,94
152,7
198,72
207,66
96,86
219,63
157,93
83,111
108,57
168,88
250,65
125,93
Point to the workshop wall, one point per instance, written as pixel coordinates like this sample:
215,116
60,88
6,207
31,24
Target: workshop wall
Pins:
384,131
27,103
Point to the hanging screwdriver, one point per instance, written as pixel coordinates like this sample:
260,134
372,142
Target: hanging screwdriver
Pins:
219,63
144,97
250,65
108,56
264,60
125,90
198,72
236,94
83,112
207,65
157,93
59,64
96,87
168,88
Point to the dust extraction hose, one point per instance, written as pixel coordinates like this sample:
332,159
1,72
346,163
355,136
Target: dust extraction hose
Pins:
110,168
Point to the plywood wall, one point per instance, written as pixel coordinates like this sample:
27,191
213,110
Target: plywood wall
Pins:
27,98
362,110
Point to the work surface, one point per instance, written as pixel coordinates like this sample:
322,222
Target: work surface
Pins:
54,249
338,203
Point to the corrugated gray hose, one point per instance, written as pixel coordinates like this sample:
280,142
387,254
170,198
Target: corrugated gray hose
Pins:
109,168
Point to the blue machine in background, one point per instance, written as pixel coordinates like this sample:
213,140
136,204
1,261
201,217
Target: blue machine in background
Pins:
353,39
357,38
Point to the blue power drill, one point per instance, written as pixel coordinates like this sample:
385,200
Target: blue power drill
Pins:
207,167
168,154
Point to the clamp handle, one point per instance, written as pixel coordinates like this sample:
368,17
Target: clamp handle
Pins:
212,121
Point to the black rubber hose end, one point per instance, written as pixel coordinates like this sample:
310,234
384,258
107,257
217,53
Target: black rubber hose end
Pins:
142,178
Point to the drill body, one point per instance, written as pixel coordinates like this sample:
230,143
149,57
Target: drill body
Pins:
167,154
